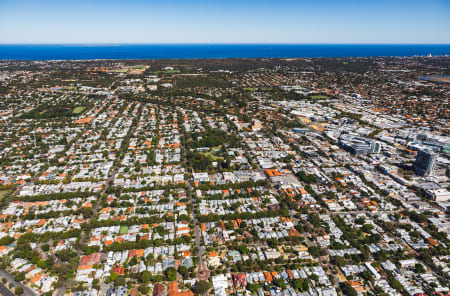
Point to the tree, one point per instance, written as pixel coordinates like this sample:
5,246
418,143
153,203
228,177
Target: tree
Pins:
253,287
19,277
378,290
146,276
280,283
314,251
183,271
273,243
42,264
114,276
66,255
120,281
133,261
298,284
301,284
348,290
395,284
419,268
339,261
18,290
171,274
50,262
144,289
6,240
201,287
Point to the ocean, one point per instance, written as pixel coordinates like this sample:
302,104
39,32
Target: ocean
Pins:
209,51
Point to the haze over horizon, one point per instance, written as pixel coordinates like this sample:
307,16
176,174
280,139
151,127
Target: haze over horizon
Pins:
215,22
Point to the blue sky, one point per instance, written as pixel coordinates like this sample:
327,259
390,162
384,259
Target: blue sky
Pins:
226,21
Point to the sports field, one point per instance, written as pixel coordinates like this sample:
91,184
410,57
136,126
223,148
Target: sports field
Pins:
319,97
78,110
123,229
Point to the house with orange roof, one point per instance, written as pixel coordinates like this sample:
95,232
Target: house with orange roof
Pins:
118,269
41,222
354,284
268,277
303,191
36,278
173,290
433,242
87,205
139,252
4,250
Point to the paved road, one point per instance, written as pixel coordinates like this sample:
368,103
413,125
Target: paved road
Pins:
103,288
61,291
26,290
202,269
108,181
4,291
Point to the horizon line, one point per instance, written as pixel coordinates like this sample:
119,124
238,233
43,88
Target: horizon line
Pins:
214,43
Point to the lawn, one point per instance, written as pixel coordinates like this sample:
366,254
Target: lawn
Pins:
167,72
123,229
249,89
121,70
3,193
171,71
211,156
78,110
319,97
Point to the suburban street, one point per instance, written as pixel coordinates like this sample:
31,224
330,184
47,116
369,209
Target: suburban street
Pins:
4,291
26,290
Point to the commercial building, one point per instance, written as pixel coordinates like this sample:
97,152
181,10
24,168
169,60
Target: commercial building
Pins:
425,163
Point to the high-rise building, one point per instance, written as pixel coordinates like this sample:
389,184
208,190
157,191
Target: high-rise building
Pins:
375,147
425,163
